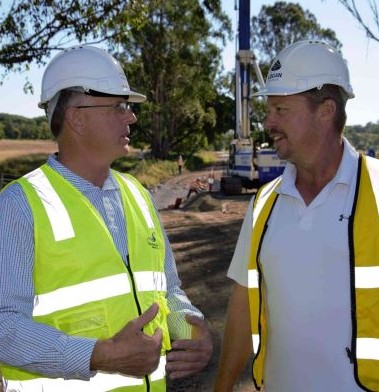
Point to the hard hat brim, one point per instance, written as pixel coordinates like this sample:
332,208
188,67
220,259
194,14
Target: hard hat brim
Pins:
130,96
285,92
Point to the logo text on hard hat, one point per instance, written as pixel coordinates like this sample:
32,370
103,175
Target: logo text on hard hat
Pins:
274,75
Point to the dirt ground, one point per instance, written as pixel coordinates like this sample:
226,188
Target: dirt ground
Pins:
203,235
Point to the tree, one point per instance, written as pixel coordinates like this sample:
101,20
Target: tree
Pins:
274,28
284,23
168,48
173,58
2,131
31,30
18,127
351,6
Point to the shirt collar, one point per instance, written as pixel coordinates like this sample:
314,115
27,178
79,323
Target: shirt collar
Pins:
345,173
79,182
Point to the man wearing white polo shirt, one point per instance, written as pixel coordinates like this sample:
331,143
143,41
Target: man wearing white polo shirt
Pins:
306,298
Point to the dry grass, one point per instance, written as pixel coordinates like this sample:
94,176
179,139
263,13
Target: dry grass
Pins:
18,148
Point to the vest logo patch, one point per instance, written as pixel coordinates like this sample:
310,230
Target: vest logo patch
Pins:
152,241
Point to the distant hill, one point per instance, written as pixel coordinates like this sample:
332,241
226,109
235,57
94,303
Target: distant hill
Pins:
18,127
23,128
364,137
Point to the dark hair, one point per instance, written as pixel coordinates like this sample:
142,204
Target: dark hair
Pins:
317,96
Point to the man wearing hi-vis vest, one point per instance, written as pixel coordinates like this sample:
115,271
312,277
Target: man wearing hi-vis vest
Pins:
90,299
305,305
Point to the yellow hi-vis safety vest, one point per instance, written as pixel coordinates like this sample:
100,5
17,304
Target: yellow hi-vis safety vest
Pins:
82,285
363,235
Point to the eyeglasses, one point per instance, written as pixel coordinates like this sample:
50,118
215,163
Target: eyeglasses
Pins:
121,108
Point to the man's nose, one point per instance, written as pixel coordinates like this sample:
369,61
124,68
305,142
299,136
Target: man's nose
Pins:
129,117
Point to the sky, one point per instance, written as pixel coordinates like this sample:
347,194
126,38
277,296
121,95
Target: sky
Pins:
362,56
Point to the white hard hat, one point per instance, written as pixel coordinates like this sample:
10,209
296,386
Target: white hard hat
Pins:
305,65
88,68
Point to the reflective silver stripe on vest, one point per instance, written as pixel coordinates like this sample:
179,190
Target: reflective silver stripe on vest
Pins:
99,383
366,277
160,373
264,195
79,294
252,279
56,211
95,290
368,348
256,340
150,281
141,202
373,167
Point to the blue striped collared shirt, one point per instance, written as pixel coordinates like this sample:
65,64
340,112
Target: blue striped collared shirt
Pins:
41,348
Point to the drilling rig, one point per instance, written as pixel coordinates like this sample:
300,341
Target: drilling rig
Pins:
249,165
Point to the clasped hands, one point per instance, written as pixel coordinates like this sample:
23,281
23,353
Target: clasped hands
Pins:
134,353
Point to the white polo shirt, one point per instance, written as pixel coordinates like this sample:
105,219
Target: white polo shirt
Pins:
305,262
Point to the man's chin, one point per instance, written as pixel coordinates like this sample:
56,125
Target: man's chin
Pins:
281,155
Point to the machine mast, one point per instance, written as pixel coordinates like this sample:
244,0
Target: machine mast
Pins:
245,59
247,167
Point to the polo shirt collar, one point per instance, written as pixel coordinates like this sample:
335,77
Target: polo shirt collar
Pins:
345,173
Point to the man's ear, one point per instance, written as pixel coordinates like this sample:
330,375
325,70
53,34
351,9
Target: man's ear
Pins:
327,110
74,119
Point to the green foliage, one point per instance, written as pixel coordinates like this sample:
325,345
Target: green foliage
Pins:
200,160
31,30
208,157
284,23
173,58
149,173
224,108
19,127
364,137
152,172
125,164
194,162
2,130
170,52
17,167
168,48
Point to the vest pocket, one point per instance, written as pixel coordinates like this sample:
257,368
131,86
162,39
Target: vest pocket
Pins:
90,321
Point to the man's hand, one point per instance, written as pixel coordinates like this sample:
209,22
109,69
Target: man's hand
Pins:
189,356
130,351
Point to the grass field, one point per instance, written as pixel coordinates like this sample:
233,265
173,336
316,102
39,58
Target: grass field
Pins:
18,148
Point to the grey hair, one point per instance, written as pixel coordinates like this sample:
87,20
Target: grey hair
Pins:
58,111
